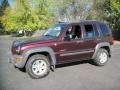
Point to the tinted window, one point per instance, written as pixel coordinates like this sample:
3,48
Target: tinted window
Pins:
89,31
104,29
95,30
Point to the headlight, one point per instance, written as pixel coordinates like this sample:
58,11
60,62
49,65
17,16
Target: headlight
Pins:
18,49
17,46
16,43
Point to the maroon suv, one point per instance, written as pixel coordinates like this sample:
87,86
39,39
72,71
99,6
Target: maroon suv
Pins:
63,43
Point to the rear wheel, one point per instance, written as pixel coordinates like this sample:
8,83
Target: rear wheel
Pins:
38,66
102,57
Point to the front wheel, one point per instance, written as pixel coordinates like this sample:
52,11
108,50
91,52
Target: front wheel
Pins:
38,66
102,57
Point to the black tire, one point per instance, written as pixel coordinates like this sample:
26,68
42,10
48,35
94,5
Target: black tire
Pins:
97,61
31,63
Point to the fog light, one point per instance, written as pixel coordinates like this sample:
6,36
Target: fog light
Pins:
18,59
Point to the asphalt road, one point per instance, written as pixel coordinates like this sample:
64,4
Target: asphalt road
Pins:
77,76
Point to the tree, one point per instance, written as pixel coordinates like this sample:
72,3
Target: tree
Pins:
113,16
74,10
27,15
113,13
4,6
0,17
97,11
43,13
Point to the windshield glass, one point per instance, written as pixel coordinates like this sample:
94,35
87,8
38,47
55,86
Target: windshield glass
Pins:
54,31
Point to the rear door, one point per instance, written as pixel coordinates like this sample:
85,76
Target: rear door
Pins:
91,38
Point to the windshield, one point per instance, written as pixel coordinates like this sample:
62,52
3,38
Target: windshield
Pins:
54,31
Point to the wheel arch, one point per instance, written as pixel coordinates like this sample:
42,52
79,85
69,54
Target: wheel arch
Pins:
108,50
47,51
104,45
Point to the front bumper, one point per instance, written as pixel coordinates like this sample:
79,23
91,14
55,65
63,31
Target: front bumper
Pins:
16,60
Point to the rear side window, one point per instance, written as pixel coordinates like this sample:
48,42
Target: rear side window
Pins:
91,31
95,30
104,29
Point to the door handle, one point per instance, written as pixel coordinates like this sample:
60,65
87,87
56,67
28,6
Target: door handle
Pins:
99,39
62,50
80,41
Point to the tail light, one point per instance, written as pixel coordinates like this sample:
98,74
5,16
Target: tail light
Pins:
112,40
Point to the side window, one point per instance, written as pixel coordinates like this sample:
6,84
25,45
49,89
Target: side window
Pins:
95,30
104,29
74,32
89,31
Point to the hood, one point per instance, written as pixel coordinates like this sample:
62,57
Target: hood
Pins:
32,40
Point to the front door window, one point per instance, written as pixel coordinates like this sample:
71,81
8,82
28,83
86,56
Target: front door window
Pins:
74,32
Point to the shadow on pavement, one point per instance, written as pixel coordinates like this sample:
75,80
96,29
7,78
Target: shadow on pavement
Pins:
65,65
74,63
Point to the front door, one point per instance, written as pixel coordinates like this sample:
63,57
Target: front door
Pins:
69,50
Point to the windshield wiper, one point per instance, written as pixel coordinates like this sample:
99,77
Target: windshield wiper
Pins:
50,35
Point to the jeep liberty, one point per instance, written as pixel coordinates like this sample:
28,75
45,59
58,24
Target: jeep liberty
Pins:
63,43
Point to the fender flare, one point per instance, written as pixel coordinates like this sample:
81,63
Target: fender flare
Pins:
99,45
49,50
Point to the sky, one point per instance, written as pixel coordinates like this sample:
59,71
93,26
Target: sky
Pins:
10,2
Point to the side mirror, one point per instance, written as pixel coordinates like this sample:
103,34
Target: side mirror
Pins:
67,38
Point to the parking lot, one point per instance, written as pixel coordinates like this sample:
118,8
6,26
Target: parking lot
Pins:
75,76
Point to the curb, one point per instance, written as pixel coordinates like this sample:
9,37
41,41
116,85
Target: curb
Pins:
6,36
117,42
